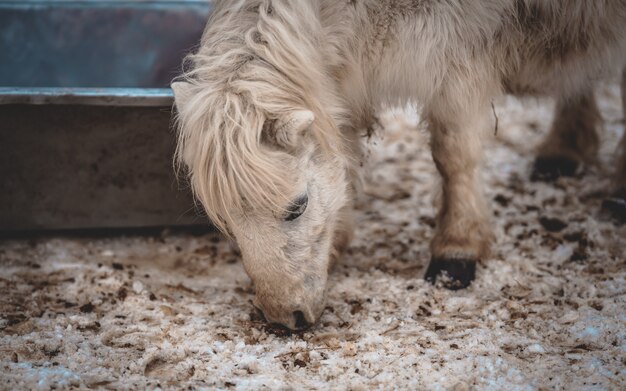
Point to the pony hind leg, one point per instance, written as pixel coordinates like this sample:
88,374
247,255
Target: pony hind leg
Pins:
463,233
616,204
572,140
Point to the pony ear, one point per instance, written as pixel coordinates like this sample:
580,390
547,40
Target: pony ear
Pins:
182,92
290,127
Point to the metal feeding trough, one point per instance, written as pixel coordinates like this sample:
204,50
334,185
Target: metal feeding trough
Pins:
85,112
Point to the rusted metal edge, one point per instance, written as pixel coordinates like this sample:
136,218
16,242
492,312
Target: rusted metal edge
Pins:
145,97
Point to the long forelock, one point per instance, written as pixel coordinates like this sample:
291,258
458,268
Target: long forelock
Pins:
228,167
249,69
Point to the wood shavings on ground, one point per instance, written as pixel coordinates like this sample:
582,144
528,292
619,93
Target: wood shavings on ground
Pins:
173,311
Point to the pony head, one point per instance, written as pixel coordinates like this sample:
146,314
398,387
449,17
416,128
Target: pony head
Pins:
258,135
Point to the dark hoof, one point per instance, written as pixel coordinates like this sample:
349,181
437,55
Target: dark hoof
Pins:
551,168
615,207
459,272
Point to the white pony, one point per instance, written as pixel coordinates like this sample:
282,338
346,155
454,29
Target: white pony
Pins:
271,105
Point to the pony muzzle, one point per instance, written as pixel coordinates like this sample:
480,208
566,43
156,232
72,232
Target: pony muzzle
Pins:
295,317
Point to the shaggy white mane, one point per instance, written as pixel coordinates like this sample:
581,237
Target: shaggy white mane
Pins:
257,62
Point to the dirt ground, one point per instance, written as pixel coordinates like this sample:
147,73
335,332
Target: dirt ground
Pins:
173,311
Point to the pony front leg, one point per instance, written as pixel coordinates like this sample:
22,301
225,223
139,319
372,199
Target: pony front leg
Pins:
463,233
616,204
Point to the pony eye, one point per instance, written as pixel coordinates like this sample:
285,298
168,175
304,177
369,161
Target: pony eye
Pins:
297,207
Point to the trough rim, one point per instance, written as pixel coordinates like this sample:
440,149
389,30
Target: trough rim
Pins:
87,96
101,3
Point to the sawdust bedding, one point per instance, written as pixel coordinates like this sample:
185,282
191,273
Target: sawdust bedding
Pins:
547,311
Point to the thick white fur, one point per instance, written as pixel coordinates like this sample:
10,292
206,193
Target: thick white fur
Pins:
334,63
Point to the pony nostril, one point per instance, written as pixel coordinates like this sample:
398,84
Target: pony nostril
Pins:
301,322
